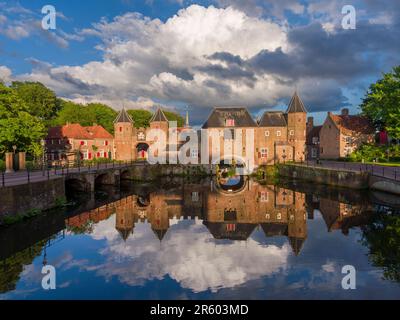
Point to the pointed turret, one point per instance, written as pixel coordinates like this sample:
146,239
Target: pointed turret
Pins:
187,125
296,244
123,117
159,116
296,105
160,233
124,233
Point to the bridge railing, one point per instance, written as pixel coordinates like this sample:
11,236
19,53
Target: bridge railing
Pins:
46,172
388,172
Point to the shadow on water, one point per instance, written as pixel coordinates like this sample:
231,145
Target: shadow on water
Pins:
232,209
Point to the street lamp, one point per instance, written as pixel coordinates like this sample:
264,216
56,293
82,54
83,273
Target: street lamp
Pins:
14,148
43,144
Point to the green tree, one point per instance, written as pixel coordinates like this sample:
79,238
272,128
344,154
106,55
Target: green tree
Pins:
17,126
172,116
73,113
141,117
102,115
86,115
39,100
382,237
382,103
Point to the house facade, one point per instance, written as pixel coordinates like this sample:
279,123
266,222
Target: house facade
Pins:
64,143
313,140
342,134
278,136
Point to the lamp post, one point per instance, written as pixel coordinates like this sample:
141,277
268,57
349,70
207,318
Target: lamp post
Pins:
14,147
43,144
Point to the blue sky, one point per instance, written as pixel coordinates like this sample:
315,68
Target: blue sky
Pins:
202,54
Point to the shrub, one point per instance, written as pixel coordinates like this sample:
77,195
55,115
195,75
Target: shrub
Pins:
369,153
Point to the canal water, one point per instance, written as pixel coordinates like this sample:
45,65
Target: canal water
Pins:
200,240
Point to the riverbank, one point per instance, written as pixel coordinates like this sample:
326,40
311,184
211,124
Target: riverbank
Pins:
25,198
344,178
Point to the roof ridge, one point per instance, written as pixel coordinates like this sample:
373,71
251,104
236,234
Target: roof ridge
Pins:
160,114
123,116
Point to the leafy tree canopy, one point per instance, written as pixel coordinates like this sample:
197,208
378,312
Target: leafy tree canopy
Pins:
382,103
141,117
17,126
39,100
172,116
86,115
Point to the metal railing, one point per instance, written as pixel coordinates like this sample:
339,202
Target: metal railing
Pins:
388,172
48,172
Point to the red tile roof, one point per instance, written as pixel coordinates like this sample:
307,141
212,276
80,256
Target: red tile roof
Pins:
353,123
76,131
98,132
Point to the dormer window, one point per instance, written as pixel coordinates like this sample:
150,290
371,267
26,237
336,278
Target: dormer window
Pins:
229,122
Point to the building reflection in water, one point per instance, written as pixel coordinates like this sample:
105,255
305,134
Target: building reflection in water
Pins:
277,211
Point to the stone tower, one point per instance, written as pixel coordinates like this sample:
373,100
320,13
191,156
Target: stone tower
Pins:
297,127
124,220
124,136
159,121
297,222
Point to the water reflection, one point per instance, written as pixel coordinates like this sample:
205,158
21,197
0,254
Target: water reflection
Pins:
197,235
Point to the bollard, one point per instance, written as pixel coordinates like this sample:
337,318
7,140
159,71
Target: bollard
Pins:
29,177
3,179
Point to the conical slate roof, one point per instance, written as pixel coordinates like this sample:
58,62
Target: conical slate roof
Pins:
124,233
296,105
160,233
296,244
123,116
158,116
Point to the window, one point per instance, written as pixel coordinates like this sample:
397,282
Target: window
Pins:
195,196
291,132
348,140
264,152
141,136
229,134
230,227
278,133
120,129
194,153
264,196
85,155
313,152
229,122
267,216
278,216
266,133
105,155
105,143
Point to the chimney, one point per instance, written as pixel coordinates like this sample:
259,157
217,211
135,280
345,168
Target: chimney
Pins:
345,112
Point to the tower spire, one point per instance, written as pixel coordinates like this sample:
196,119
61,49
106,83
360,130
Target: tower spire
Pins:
187,118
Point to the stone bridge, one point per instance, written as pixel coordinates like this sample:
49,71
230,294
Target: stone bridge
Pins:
88,180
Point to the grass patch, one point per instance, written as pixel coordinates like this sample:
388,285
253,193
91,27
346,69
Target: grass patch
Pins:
9,220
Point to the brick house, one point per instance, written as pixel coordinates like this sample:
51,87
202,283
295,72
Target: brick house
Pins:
313,140
63,143
342,134
278,136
